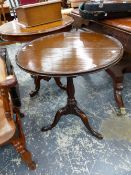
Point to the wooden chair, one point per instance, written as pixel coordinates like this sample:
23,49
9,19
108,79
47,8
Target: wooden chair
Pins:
10,123
2,9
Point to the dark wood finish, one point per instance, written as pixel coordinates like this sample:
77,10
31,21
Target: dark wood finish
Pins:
58,82
37,80
117,73
120,29
10,128
69,55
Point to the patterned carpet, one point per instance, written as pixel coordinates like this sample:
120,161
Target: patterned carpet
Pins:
69,149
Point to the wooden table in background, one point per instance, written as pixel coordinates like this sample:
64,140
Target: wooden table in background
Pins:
120,29
70,55
13,31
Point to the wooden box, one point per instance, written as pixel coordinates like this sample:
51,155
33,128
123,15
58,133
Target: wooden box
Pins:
39,13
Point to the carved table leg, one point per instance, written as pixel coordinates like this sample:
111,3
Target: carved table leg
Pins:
60,112
117,74
71,108
58,82
118,87
37,80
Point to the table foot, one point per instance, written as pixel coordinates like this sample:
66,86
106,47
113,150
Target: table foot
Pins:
84,119
37,86
122,112
117,77
58,82
37,80
72,109
58,115
118,87
34,92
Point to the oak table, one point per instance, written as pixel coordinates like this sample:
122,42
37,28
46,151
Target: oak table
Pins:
69,55
13,31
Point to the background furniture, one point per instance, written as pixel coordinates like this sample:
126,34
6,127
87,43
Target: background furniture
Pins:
5,15
2,10
10,124
14,91
12,31
5,12
70,55
120,29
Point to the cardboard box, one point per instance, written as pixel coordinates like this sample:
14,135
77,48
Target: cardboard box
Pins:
39,13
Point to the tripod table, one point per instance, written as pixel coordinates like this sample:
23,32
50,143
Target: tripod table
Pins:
70,55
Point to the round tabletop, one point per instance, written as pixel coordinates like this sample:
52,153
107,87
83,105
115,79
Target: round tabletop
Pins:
68,54
14,31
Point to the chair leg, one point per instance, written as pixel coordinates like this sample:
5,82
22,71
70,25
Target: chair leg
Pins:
19,143
25,154
19,126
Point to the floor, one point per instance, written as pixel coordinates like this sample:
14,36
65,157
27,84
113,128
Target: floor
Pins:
69,149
